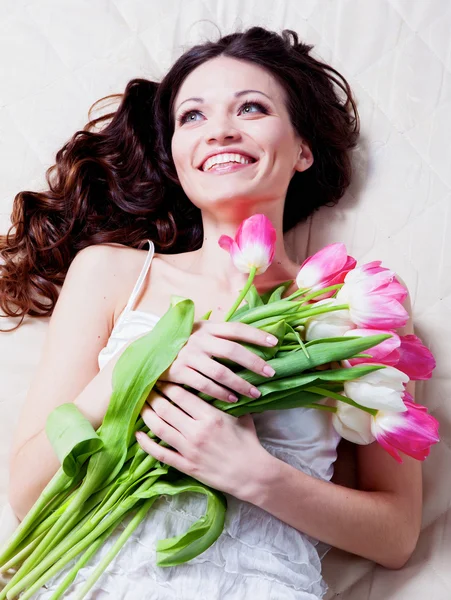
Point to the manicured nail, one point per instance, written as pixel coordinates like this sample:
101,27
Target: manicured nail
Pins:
271,340
233,398
269,371
255,393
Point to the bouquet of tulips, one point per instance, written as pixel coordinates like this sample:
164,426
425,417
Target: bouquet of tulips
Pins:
337,351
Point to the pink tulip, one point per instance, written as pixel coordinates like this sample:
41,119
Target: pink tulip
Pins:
411,432
327,267
253,246
385,353
374,297
415,359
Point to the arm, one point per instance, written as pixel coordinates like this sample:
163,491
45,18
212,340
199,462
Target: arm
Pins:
379,521
67,371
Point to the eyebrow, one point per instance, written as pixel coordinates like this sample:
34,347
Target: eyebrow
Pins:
236,94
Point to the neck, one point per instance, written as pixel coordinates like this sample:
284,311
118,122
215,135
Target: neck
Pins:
214,263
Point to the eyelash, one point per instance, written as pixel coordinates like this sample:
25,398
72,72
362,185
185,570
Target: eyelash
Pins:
262,107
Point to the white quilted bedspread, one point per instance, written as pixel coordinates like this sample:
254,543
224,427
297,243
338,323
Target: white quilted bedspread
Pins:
58,56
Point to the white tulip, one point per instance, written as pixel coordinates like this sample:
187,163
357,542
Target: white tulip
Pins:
353,424
382,389
329,324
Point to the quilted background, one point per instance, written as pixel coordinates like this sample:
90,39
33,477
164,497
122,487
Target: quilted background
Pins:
58,56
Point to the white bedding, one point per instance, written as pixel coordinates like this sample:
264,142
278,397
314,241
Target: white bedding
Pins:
58,57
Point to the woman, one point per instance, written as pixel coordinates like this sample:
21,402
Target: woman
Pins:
249,124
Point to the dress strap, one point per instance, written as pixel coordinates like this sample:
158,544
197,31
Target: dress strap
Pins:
142,276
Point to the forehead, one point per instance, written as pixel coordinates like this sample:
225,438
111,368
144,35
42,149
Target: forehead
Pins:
223,75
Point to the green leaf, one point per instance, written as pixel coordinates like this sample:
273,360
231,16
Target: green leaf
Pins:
253,298
72,437
275,294
201,534
286,400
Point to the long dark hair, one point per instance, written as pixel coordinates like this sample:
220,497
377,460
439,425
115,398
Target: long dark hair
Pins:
119,184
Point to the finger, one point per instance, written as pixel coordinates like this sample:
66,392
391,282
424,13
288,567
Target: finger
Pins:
235,352
164,455
242,332
166,410
163,430
191,404
198,381
223,375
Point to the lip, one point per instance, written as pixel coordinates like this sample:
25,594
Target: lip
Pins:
226,151
228,169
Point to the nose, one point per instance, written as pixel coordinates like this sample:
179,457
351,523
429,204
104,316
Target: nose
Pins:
221,128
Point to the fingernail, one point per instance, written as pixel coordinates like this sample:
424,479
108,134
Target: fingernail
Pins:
255,393
267,370
271,340
233,398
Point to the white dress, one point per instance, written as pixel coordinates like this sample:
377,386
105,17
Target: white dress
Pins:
257,556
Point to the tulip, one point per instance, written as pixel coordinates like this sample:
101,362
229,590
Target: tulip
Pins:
374,297
412,432
329,324
253,246
353,424
327,267
415,359
385,353
382,389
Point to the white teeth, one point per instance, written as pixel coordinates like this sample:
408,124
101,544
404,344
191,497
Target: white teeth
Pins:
225,158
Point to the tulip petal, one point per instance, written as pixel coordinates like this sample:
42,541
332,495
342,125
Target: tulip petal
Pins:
376,312
382,389
329,266
416,360
385,353
320,265
411,432
353,424
226,242
254,244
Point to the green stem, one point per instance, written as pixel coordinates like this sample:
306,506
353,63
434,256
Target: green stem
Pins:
86,556
297,293
329,394
242,293
114,550
59,557
302,317
22,553
321,292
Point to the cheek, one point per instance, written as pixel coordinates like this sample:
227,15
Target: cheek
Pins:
178,149
278,140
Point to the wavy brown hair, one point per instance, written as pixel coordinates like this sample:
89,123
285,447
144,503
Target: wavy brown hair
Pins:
119,184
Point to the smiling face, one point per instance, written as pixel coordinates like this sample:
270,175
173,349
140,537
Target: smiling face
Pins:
236,111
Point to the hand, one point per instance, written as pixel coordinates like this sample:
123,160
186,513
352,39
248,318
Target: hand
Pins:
215,448
195,367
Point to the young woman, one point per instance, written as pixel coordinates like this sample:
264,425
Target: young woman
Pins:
248,124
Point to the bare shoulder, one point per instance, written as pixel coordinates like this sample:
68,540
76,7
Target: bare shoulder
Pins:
114,269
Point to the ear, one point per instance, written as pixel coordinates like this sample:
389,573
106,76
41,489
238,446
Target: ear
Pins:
305,157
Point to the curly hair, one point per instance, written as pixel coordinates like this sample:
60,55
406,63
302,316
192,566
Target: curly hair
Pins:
119,184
